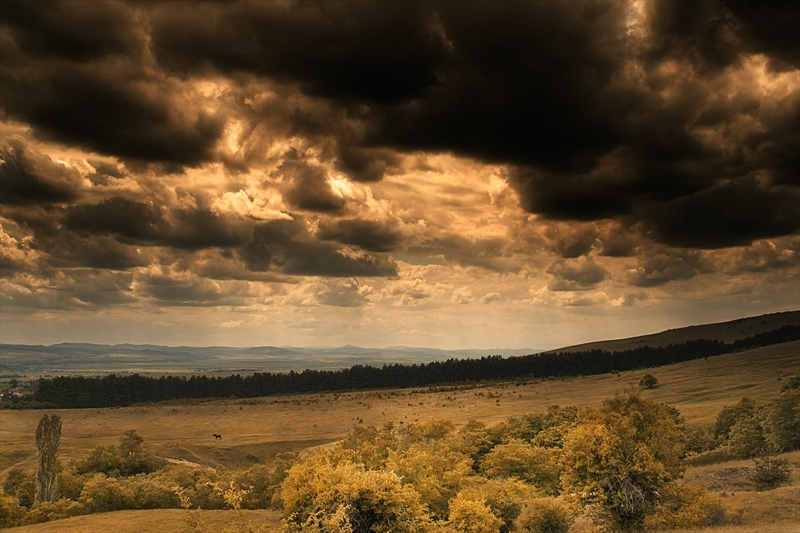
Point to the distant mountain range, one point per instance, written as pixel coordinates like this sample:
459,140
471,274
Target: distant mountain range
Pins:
92,359
82,358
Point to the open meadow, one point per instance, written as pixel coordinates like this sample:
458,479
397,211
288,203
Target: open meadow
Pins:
256,430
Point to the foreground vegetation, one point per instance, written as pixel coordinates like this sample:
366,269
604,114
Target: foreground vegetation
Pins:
619,465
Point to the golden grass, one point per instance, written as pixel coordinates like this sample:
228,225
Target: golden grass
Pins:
154,521
775,527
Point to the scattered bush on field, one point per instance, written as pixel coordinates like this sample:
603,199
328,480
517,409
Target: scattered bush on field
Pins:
21,485
686,506
11,512
770,472
261,483
61,508
126,459
781,422
648,381
710,457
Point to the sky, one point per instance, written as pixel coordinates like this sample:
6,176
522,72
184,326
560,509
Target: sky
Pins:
441,174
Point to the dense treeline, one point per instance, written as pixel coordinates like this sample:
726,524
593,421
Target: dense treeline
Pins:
113,390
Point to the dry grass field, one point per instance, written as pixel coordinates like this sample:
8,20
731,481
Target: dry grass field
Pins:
262,427
257,429
154,521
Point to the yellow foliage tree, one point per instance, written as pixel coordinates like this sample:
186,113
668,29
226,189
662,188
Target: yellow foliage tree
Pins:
523,461
472,515
327,495
621,456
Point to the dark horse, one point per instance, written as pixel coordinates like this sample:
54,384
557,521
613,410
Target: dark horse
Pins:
218,437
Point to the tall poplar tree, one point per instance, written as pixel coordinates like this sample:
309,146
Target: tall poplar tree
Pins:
48,436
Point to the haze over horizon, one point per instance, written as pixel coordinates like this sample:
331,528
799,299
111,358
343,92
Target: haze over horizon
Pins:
443,174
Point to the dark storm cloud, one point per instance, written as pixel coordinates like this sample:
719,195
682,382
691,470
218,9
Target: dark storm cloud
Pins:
67,250
128,219
30,177
732,214
577,244
78,73
285,246
366,164
104,172
598,111
379,52
143,223
715,33
79,32
366,234
309,187
195,229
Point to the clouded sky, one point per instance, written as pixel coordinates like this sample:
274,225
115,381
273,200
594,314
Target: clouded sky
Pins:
453,175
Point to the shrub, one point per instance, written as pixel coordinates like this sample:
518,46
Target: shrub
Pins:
504,497
101,494
469,515
792,384
686,506
10,511
528,463
710,457
196,483
648,381
746,437
126,459
730,414
769,472
322,495
544,515
151,493
782,421
20,485
47,511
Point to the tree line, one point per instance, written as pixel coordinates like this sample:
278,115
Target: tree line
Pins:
114,390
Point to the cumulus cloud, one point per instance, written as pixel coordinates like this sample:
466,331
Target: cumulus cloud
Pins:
576,275
343,293
666,266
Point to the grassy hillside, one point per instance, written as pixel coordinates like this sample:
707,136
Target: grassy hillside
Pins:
721,331
259,428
